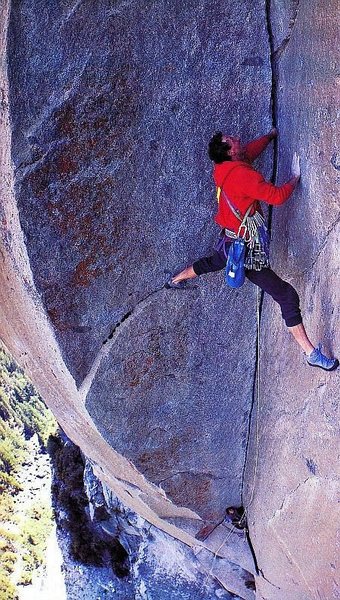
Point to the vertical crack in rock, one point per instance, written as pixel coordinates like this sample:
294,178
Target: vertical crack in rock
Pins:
109,342
273,102
274,112
250,420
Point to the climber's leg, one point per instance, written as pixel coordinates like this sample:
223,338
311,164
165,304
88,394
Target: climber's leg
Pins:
208,264
187,273
300,335
287,297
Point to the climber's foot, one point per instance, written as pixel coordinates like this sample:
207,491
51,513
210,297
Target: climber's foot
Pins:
317,359
176,285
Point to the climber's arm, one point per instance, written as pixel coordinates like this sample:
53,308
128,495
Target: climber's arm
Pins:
254,148
251,183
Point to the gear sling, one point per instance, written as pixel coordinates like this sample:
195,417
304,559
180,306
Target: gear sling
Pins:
250,246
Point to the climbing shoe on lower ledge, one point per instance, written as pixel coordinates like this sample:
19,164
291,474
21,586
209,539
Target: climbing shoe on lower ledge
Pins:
317,359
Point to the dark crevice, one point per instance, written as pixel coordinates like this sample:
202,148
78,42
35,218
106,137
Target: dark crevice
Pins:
129,313
273,584
250,418
273,102
273,179
105,347
126,316
249,430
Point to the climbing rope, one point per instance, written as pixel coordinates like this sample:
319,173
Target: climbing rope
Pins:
257,396
215,552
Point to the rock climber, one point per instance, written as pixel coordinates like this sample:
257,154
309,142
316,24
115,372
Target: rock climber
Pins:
241,185
236,516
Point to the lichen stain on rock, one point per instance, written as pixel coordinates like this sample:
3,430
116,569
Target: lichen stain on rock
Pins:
135,370
58,319
196,486
168,454
79,216
38,181
65,120
84,274
66,164
150,360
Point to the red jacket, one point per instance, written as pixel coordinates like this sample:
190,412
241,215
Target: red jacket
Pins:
242,184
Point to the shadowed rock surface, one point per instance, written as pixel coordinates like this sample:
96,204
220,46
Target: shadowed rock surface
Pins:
111,108
114,188
111,169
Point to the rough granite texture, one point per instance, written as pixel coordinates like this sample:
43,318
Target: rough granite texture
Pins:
159,567
111,106
294,514
112,111
110,129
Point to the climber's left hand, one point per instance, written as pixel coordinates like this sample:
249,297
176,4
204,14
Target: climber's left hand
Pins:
273,133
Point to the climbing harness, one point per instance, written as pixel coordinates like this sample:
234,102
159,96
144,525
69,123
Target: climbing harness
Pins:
254,232
250,246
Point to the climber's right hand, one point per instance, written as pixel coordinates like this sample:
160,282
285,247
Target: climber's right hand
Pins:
295,168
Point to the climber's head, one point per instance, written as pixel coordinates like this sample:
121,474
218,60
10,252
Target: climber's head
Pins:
224,147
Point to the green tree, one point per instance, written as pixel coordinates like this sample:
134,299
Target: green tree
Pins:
22,414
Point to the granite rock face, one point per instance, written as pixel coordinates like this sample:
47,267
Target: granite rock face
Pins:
294,516
159,567
112,109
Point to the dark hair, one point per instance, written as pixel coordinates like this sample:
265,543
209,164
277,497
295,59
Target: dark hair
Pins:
218,150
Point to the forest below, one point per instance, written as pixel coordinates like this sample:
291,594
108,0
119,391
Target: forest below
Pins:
23,534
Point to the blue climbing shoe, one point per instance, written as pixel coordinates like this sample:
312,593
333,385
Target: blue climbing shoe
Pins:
317,359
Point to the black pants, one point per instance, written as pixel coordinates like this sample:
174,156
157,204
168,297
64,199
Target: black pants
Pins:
282,292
